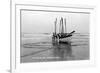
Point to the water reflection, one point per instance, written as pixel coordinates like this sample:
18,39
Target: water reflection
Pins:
62,50
44,50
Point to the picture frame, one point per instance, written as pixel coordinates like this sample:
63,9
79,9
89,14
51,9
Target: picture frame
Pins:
17,7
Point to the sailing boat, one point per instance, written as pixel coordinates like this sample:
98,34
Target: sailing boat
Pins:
62,31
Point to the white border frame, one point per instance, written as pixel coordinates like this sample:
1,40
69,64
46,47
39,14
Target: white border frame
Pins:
15,39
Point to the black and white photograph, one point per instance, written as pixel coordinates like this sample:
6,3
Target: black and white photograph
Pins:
48,35
52,36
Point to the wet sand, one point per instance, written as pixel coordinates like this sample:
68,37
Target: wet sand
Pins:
44,50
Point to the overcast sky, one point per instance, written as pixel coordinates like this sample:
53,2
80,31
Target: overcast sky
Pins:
43,22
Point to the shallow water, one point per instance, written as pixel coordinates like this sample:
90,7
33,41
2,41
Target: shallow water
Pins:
41,48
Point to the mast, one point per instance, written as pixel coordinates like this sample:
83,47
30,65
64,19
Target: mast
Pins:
55,25
65,26
60,27
62,31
